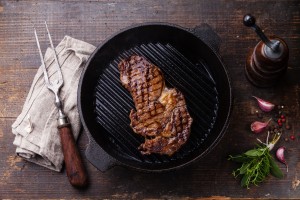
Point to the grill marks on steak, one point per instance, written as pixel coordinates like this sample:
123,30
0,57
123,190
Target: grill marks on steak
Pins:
161,115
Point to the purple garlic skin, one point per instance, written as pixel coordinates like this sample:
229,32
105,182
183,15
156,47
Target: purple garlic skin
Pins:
280,156
258,127
264,105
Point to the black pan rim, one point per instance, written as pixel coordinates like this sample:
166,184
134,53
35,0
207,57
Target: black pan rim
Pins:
230,96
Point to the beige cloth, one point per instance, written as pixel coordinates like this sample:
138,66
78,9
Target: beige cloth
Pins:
42,144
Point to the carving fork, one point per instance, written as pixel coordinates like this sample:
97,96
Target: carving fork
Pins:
73,162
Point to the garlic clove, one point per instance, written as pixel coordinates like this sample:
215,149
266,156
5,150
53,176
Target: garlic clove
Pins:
280,156
264,105
258,127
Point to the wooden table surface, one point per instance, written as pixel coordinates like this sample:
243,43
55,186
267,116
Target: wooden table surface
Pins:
93,22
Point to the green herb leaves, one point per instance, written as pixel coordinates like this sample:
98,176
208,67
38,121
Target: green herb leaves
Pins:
255,152
257,164
275,170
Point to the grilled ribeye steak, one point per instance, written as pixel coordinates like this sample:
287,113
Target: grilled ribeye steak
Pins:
161,115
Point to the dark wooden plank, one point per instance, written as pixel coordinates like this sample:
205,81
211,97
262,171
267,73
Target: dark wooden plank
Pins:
94,21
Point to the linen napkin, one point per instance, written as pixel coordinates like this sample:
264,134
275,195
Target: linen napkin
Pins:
36,135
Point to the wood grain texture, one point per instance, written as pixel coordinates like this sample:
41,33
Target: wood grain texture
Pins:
73,162
93,22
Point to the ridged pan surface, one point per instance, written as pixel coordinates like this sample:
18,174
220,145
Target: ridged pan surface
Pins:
187,63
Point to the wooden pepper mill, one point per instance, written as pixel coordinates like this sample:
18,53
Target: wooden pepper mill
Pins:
268,61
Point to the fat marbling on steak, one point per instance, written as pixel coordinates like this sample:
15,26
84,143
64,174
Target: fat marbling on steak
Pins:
160,113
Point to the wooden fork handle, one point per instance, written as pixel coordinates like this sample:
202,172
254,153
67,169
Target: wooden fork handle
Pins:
73,162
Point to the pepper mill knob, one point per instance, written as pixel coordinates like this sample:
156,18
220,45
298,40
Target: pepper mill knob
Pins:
249,20
268,61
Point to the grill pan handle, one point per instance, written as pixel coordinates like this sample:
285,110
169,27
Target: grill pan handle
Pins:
98,157
207,35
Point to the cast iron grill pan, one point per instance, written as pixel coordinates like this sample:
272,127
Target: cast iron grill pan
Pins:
111,104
